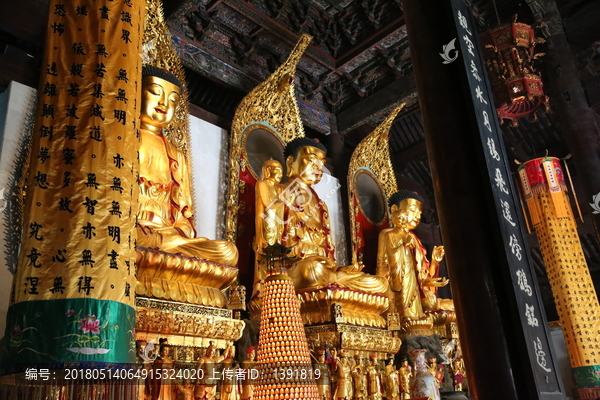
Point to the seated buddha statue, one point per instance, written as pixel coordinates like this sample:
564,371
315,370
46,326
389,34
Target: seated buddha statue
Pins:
306,226
165,201
401,258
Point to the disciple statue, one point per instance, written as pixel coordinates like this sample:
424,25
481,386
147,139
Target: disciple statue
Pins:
229,384
401,258
163,390
343,386
324,377
307,230
436,370
458,370
404,377
359,379
247,386
206,389
392,383
165,202
373,380
269,218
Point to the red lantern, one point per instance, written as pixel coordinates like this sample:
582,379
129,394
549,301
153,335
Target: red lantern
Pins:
509,51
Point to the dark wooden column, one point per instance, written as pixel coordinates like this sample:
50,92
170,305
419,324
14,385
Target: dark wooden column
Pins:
571,108
469,232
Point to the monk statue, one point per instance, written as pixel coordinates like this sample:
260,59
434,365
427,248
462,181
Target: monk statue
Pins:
165,202
404,377
401,258
392,383
307,230
269,218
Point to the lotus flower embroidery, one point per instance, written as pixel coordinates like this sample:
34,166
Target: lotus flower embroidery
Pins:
90,324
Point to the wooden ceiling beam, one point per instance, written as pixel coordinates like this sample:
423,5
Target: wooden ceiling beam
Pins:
364,111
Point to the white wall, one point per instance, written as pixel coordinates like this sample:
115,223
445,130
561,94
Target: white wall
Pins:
16,117
328,191
210,164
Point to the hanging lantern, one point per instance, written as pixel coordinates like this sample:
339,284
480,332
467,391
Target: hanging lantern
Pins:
516,84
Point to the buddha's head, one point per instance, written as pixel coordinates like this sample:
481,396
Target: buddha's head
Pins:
272,170
404,362
304,159
161,91
406,208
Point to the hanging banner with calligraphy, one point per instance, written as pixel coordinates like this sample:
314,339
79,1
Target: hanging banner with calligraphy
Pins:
527,301
568,272
73,294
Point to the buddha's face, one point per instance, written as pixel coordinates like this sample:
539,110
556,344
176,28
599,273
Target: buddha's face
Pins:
308,165
407,214
159,101
251,355
273,171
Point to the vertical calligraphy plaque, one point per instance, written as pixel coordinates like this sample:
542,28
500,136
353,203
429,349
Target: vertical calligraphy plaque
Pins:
530,326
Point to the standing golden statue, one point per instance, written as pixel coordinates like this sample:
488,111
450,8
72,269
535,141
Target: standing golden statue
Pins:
229,383
269,218
343,386
165,202
307,229
324,377
359,380
206,389
247,386
374,380
405,375
392,383
401,258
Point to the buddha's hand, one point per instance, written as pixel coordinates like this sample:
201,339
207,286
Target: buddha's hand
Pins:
357,267
437,254
435,282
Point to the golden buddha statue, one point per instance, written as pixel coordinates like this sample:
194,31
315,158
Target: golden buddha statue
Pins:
269,218
165,202
306,227
401,258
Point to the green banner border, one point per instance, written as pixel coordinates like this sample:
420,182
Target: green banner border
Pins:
68,330
588,376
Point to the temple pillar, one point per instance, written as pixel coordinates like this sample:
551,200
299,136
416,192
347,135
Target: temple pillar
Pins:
74,289
493,336
569,102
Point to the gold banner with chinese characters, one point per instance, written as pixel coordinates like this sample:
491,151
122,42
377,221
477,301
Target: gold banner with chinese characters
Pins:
79,222
574,294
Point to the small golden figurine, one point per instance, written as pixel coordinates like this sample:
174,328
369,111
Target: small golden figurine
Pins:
405,375
324,379
343,387
436,370
458,370
229,383
392,382
248,365
206,389
359,379
373,378
165,202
